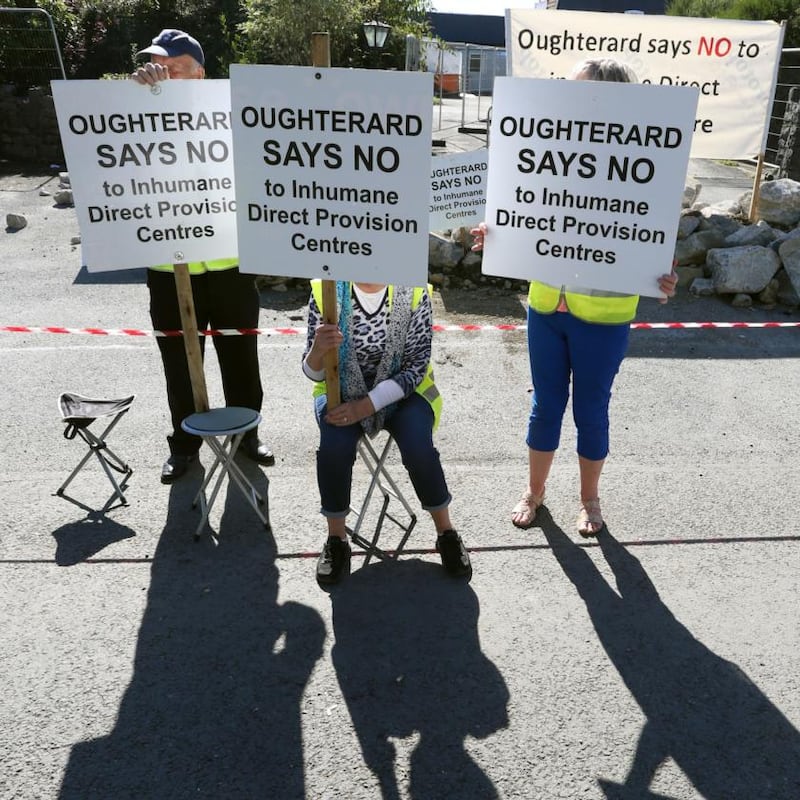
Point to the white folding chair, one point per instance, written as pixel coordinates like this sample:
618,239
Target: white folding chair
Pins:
223,429
78,413
380,480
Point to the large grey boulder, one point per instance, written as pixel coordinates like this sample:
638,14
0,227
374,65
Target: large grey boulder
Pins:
719,219
787,294
790,256
779,202
444,252
759,234
687,225
693,249
742,269
690,195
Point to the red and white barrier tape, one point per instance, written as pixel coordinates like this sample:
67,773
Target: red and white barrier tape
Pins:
301,331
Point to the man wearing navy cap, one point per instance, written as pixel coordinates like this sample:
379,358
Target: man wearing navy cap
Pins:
174,54
223,298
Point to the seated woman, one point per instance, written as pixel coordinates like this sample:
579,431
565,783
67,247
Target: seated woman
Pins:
384,343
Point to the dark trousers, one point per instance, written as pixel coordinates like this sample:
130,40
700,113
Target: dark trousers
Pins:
411,424
222,299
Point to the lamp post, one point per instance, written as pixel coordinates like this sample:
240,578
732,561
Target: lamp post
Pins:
376,33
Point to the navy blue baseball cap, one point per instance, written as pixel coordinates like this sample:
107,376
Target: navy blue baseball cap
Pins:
171,42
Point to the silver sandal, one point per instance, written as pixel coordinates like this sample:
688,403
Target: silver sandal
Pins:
590,518
525,510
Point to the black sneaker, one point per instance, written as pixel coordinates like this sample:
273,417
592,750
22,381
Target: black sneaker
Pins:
333,563
455,558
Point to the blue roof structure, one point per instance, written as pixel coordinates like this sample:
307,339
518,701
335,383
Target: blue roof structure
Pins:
469,28
490,31
648,6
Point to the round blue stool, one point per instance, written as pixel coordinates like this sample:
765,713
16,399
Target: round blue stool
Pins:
223,429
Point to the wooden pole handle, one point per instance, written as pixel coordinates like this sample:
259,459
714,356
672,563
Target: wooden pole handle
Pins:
753,213
191,340
331,360
321,57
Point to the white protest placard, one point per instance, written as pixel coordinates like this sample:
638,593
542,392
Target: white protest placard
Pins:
151,170
332,169
733,64
585,182
458,189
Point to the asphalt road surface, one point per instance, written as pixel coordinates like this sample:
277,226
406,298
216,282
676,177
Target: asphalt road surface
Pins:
660,661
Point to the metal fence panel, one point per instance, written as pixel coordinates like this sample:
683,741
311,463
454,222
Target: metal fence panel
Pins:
29,51
783,140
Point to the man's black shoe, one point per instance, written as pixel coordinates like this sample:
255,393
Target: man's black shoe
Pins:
333,563
454,555
175,467
257,451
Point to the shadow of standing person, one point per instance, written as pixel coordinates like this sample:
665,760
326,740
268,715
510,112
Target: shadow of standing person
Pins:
702,711
408,659
213,707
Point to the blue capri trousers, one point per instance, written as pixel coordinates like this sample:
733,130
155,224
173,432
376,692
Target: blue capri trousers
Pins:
560,347
410,421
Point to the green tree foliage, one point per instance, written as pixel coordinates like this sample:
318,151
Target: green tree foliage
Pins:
279,31
100,37
777,10
112,32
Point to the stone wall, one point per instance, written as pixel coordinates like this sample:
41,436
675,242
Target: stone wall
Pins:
29,129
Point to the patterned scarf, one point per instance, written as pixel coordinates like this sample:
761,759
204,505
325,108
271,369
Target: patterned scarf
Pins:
352,379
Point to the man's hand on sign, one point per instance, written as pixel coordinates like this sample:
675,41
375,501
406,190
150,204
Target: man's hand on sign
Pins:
162,68
150,74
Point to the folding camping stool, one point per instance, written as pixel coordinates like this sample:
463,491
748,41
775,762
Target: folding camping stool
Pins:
381,480
223,429
79,413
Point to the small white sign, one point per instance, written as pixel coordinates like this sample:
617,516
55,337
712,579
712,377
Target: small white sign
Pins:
151,170
458,189
585,182
332,169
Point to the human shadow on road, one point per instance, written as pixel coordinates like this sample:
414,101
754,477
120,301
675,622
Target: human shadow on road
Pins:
702,711
119,276
408,659
213,707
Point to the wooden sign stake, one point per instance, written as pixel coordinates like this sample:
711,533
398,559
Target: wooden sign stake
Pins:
321,57
191,341
752,215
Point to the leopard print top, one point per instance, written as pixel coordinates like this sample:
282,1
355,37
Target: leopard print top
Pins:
369,337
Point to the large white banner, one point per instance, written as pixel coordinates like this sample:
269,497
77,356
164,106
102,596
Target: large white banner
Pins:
585,182
151,170
458,189
733,64
332,172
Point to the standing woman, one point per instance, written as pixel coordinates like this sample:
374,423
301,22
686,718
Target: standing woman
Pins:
577,334
384,340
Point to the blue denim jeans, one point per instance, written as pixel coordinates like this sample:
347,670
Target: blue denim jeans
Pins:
562,347
411,424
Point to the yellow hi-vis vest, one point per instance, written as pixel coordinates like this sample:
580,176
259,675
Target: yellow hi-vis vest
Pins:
199,267
427,387
590,305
